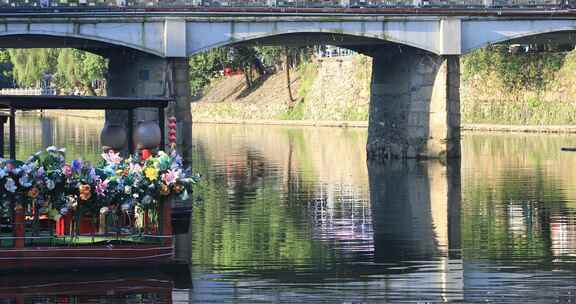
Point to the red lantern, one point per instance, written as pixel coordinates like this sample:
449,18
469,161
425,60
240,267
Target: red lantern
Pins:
172,130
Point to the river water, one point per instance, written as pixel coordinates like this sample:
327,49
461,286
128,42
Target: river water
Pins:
296,215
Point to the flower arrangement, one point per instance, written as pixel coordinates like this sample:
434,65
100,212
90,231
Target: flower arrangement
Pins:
46,184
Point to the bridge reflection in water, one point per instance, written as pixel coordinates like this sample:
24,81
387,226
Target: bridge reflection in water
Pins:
416,217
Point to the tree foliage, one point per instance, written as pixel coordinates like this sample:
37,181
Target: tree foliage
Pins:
79,69
516,70
204,67
252,61
31,66
68,69
6,77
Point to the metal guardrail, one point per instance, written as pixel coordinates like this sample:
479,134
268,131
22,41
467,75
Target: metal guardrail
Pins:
122,4
29,91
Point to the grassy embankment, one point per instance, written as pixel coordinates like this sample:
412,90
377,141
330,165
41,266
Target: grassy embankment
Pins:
524,89
497,87
326,90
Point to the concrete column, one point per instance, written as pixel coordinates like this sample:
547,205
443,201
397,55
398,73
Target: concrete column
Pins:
133,74
179,89
414,106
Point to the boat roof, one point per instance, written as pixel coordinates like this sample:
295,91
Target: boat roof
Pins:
49,102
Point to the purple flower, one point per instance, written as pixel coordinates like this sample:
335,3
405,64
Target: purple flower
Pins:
77,165
92,174
40,172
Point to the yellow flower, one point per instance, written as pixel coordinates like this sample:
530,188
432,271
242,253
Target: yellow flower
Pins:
151,173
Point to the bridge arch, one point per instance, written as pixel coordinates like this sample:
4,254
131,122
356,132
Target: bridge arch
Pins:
44,39
480,33
422,35
366,45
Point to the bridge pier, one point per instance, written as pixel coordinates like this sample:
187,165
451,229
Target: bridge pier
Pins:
414,106
134,74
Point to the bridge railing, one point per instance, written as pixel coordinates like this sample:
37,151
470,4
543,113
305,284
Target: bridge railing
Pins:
123,4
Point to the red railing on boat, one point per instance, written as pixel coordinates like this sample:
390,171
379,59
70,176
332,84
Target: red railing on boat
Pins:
22,251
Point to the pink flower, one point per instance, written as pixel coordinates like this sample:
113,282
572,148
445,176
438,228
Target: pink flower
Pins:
112,158
101,187
170,176
67,170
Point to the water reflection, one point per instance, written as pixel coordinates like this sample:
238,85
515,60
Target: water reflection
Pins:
416,209
97,286
286,218
80,137
296,215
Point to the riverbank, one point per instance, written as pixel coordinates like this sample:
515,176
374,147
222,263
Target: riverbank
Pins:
325,89
336,124
364,124
86,114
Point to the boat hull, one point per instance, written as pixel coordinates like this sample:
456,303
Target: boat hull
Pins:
82,257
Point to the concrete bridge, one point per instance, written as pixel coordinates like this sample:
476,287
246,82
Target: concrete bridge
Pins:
415,103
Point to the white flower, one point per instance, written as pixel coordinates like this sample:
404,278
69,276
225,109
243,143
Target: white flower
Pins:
25,181
10,185
147,200
27,168
50,184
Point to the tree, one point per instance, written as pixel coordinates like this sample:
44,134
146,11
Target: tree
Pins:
68,68
204,67
80,69
244,58
288,80
6,77
30,66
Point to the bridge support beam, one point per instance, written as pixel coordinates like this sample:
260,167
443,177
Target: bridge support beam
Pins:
414,106
133,74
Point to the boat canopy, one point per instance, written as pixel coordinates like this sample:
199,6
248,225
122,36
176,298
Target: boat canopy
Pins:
13,103
50,102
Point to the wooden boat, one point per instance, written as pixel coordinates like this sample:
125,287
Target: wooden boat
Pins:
60,248
81,257
22,251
